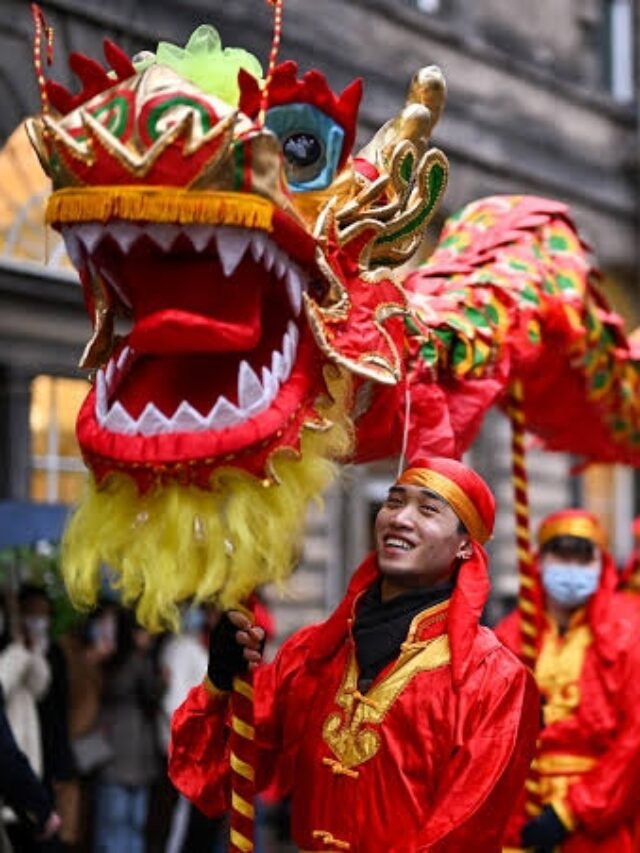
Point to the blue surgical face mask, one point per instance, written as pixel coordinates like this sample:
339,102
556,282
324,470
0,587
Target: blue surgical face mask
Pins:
570,584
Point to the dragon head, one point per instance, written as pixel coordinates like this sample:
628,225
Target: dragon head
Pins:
250,255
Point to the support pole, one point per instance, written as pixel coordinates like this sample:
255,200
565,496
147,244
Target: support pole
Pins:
527,604
526,579
242,744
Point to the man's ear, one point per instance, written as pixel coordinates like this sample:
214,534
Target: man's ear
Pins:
465,550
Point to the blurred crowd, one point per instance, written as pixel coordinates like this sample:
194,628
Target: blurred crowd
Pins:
84,731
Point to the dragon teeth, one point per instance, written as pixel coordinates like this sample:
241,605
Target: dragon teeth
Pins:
270,384
224,414
258,242
73,246
111,369
200,236
295,285
281,264
254,396
163,234
269,256
124,357
232,244
89,234
119,420
187,419
124,233
152,421
278,367
101,395
249,388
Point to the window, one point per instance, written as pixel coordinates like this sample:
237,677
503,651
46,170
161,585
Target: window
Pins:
57,469
619,72
427,6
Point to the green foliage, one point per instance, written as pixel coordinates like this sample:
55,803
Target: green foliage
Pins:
40,565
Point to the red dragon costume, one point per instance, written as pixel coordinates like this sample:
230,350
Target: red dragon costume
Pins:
274,324
258,314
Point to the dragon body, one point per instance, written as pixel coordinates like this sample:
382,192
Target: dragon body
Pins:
276,324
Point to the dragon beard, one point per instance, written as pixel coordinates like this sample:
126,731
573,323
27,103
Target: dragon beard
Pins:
177,544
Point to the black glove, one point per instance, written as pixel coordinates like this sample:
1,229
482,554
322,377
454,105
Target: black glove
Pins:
545,831
226,655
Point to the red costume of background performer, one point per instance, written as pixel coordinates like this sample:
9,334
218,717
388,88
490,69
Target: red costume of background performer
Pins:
587,767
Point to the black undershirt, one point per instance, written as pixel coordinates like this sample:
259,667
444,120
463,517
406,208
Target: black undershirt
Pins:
380,627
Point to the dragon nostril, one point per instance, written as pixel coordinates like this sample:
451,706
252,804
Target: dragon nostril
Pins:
318,289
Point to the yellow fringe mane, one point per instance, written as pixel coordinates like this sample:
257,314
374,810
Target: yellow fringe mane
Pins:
177,543
159,204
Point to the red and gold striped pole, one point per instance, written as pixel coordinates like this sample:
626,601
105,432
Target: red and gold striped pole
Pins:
242,745
242,738
526,585
527,603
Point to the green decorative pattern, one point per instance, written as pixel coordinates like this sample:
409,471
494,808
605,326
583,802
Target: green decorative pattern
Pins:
483,308
160,111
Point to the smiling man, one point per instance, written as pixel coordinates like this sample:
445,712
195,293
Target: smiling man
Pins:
399,724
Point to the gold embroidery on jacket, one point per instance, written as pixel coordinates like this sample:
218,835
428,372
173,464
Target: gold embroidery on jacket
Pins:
346,733
558,670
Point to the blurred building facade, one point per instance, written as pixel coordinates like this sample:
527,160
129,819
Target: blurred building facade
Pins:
543,99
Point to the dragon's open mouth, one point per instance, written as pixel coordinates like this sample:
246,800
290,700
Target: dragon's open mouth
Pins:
221,303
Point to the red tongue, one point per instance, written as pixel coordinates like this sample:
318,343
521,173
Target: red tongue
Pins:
174,331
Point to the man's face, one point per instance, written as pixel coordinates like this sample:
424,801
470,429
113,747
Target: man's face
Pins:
418,539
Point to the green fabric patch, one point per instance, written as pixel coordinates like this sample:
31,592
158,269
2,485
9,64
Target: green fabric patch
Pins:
564,282
445,336
521,266
492,314
529,295
429,353
411,325
599,380
460,353
558,243
476,317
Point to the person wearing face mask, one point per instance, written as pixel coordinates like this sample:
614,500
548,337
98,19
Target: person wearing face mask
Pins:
399,724
583,789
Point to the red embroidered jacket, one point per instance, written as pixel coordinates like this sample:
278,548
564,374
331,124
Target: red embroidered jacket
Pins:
424,761
588,761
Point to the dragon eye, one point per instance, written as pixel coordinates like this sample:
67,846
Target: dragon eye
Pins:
311,144
302,150
304,157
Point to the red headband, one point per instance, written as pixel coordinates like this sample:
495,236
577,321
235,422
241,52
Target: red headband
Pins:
464,490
